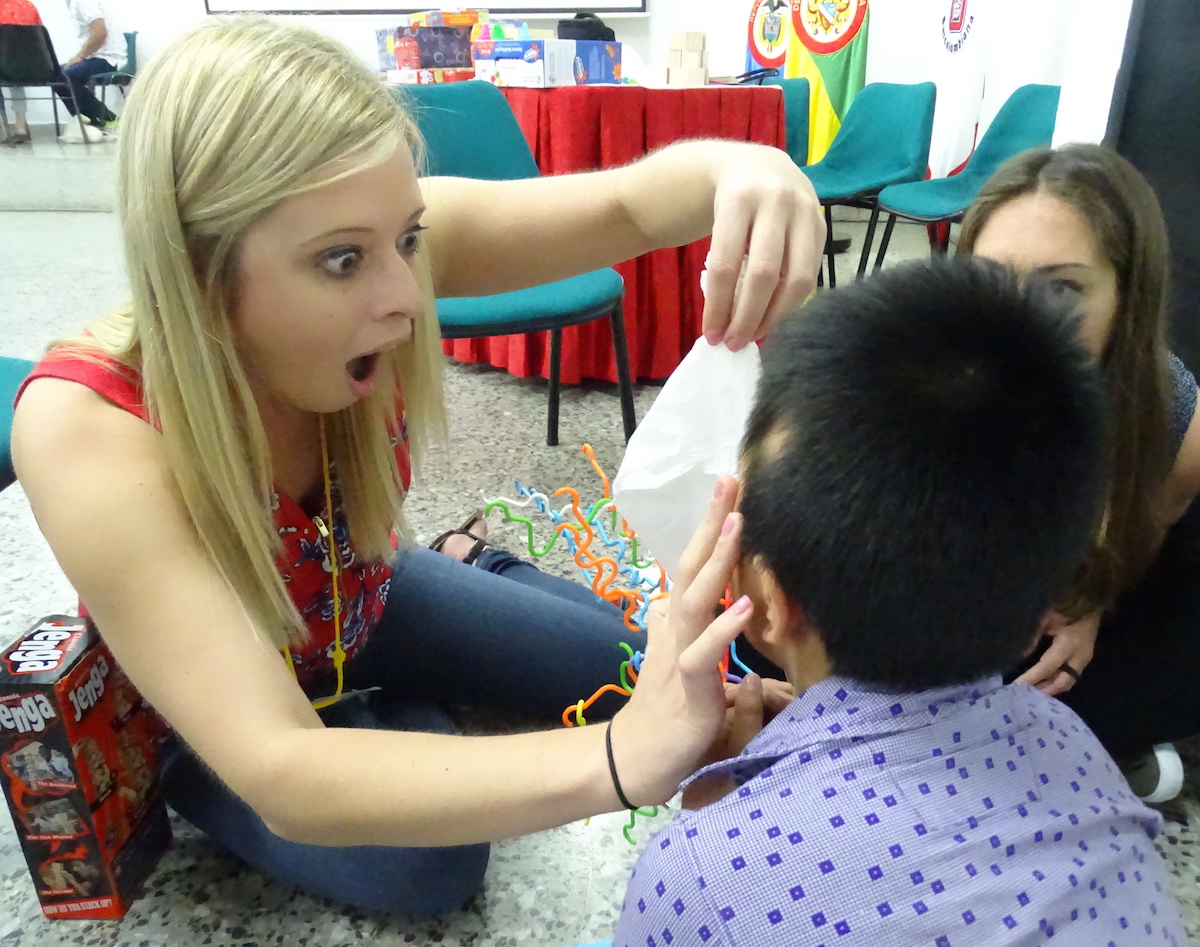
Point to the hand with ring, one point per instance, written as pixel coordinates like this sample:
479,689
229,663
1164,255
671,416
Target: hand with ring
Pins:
1071,647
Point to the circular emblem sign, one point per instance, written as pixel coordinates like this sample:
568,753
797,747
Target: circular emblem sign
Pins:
767,38
825,26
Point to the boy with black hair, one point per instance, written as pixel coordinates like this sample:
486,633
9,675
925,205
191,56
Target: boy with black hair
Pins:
921,474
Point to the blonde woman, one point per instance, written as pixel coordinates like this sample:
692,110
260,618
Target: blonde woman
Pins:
239,417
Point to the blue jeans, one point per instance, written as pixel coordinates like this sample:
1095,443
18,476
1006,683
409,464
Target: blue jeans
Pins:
78,75
500,634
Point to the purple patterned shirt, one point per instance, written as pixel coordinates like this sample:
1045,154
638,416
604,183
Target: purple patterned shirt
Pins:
981,814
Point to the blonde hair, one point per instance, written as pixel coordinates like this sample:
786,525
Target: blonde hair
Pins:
231,119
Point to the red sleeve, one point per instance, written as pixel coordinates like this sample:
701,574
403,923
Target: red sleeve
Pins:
118,383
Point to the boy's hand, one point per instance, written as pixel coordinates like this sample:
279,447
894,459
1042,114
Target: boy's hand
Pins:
751,706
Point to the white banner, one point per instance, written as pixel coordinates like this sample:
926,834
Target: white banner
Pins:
941,41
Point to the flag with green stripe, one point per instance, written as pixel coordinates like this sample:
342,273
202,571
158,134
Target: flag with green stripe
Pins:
828,47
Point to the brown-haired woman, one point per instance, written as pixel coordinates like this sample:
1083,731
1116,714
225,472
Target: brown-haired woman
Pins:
1085,218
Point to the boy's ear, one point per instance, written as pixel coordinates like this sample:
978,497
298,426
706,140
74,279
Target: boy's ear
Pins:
784,621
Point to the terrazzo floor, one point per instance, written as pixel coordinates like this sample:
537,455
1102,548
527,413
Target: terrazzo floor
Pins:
552,889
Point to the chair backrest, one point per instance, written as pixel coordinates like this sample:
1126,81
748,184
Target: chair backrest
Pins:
796,106
1025,120
130,53
27,56
885,133
469,131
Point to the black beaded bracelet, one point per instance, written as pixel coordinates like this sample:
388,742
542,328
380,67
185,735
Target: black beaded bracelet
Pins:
612,768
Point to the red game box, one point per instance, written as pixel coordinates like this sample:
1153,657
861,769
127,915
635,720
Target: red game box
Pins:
78,763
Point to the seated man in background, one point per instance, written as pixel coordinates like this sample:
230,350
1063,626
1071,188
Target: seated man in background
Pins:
922,473
16,13
102,49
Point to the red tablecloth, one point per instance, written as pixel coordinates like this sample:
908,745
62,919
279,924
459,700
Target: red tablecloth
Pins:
584,128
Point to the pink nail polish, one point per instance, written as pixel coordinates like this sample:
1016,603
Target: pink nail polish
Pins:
718,488
741,606
727,526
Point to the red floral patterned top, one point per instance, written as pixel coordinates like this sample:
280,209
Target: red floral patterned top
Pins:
305,567
19,13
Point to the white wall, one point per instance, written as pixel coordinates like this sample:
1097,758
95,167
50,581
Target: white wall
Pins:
1094,47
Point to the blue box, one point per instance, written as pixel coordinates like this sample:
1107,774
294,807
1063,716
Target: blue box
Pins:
547,63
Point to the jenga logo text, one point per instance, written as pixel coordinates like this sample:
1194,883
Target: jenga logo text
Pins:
30,714
87,694
44,649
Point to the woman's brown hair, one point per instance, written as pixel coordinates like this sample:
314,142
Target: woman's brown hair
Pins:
1124,214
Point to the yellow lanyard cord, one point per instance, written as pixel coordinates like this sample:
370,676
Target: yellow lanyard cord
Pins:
328,533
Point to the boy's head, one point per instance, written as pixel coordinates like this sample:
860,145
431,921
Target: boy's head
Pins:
922,472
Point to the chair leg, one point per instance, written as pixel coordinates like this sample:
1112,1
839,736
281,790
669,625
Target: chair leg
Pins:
865,259
939,238
555,375
883,245
79,115
829,245
624,379
54,105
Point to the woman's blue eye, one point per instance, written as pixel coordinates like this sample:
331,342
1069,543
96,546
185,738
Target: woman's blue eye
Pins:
410,242
343,261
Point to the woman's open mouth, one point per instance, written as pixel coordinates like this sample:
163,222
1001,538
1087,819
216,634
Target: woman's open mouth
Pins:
362,367
362,372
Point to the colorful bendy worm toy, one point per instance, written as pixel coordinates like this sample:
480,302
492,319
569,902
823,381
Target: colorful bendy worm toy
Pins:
606,551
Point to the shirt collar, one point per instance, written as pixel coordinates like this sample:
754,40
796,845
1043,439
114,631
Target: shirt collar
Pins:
840,709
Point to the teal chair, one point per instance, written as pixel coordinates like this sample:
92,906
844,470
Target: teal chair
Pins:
796,106
119,77
13,371
1025,120
883,140
470,132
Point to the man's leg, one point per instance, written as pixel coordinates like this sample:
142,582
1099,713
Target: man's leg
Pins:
20,126
78,74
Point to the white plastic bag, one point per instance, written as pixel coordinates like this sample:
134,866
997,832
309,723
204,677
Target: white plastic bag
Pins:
689,437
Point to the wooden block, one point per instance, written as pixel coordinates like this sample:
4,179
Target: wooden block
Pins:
674,58
691,59
687,76
694,42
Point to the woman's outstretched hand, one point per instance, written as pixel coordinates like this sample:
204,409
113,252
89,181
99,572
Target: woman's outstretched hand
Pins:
678,706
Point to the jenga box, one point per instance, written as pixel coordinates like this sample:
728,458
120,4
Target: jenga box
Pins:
433,47
78,761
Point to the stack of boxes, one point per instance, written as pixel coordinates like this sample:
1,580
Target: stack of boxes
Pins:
547,63
687,60
434,47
